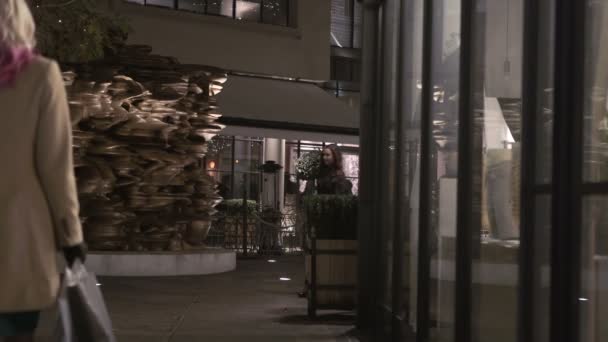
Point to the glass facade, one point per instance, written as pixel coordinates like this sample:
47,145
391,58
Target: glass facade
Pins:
489,217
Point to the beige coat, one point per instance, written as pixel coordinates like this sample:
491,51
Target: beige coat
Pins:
38,199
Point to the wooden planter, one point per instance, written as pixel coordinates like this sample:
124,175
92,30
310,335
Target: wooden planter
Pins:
331,275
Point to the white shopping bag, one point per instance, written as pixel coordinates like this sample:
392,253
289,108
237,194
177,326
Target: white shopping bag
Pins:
83,316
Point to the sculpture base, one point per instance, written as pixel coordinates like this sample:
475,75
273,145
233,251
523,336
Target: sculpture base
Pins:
125,264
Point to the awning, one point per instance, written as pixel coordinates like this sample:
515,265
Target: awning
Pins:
285,109
292,135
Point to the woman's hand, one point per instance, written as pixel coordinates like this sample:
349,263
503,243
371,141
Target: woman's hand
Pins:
75,252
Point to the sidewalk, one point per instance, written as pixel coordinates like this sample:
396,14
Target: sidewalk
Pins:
250,304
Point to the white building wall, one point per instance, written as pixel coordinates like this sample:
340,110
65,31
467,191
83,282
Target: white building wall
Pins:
302,51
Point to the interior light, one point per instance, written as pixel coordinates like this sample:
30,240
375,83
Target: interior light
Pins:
245,8
583,299
272,261
284,279
98,284
212,164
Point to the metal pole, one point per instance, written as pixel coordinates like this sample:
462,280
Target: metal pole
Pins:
368,164
233,168
245,213
312,310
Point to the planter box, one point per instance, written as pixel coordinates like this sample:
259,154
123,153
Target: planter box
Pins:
332,283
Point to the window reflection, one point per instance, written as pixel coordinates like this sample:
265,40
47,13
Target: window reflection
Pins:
498,49
596,114
594,275
444,169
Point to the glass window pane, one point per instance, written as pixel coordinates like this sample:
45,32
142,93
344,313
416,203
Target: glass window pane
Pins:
410,169
197,6
247,155
596,113
498,49
357,25
341,23
248,10
594,297
219,154
444,167
276,12
544,124
162,3
542,268
220,7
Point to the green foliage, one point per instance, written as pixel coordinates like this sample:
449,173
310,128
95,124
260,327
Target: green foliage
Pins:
77,31
308,165
334,217
234,207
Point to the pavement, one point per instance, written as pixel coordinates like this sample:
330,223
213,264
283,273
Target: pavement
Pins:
249,304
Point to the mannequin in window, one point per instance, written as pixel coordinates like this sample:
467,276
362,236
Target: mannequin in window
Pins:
332,180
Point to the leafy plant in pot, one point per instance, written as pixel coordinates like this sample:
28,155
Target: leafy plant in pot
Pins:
308,165
334,217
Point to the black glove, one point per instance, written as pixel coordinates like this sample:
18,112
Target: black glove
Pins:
75,252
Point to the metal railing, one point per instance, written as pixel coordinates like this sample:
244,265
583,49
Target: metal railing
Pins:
281,235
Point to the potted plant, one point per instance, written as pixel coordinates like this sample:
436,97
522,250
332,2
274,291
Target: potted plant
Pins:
307,166
331,260
333,217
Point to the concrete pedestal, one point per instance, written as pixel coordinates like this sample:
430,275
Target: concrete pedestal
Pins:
207,261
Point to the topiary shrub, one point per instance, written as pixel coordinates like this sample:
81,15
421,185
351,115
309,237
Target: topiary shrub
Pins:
234,207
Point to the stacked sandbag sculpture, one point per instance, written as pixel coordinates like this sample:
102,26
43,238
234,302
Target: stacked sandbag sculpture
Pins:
141,124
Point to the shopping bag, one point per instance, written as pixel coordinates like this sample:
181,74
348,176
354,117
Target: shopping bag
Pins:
83,316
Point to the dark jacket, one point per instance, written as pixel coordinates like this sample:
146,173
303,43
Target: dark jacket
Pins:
334,185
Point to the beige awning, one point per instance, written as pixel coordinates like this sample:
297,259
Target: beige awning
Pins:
286,110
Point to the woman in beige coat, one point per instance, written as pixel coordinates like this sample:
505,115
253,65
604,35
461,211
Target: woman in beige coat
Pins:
38,199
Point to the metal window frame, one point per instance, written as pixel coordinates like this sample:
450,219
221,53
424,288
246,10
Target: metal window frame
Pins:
399,219
528,190
569,107
464,222
423,323
367,167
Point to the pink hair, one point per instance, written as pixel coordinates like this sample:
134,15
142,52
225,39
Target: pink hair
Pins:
12,62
